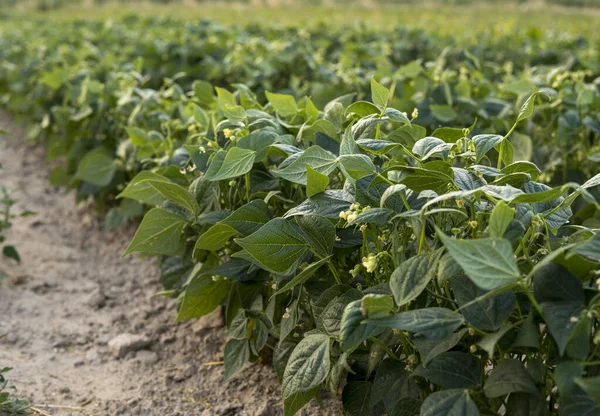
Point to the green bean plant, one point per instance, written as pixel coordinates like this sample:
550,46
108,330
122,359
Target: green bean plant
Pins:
410,273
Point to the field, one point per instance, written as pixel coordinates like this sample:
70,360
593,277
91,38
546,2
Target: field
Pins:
358,208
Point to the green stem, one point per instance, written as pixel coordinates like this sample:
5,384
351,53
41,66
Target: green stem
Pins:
335,273
384,347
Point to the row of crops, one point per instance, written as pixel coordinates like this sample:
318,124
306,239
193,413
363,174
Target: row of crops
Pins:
403,218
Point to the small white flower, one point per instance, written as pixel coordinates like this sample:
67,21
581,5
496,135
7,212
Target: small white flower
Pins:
574,319
202,149
274,286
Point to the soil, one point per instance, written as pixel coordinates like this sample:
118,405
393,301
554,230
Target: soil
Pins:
63,306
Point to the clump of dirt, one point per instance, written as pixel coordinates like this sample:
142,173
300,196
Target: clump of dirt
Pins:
86,334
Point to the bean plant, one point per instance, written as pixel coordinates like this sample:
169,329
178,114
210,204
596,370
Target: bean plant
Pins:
414,274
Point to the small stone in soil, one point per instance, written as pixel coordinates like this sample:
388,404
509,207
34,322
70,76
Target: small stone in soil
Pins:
122,344
147,356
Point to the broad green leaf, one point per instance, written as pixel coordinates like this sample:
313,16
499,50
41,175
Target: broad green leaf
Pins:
308,365
318,158
215,237
424,179
412,276
437,323
237,162
204,92
158,233
488,343
259,141
484,312
303,276
455,402
357,166
527,108
235,113
315,182
590,385
353,329
375,306
484,143
237,353
276,245
565,375
174,193
489,263
509,376
138,136
396,116
392,382
590,249
379,93
453,370
362,109
356,398
500,218
97,167
443,113
202,295
224,98
284,104
249,217
431,348
319,233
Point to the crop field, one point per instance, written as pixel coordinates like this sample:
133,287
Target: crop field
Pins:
390,208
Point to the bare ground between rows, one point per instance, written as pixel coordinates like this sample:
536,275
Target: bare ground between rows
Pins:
63,307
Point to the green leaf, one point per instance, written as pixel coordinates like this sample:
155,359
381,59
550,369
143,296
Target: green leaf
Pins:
489,263
590,249
353,329
437,323
356,397
204,92
319,233
424,179
488,343
453,370
484,312
412,276
392,382
215,237
362,109
237,162
307,367
138,136
249,217
315,182
224,98
11,252
527,108
443,113
202,295
140,190
97,167
277,246
303,276
318,158
357,166
509,376
431,348
484,143
235,113
501,217
379,93
158,233
237,353
376,306
284,104
565,375
174,193
259,141
455,402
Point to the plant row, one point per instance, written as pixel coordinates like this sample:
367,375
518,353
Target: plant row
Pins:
80,85
413,268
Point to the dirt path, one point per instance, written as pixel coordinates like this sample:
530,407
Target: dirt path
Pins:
72,296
